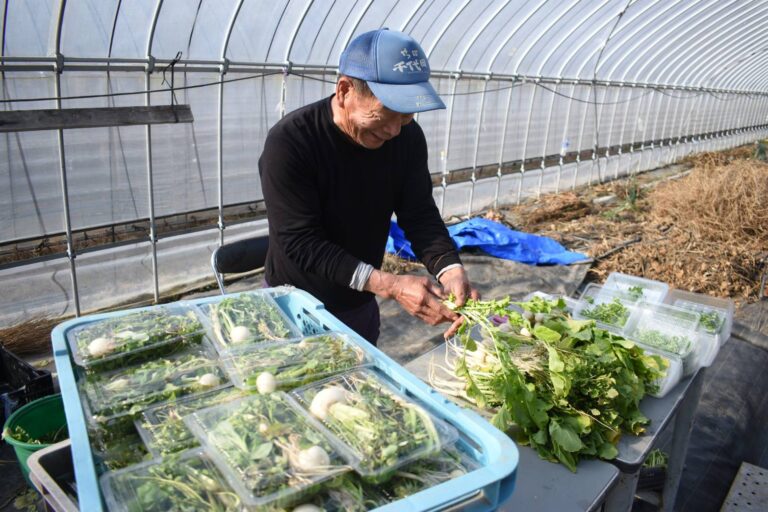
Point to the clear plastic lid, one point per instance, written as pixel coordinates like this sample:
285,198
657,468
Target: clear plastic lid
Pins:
665,328
287,365
130,390
374,427
610,309
188,481
247,318
163,429
266,448
116,445
134,337
640,288
712,319
446,465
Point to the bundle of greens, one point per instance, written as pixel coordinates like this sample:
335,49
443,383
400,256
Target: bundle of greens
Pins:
275,455
635,292
426,473
711,321
189,482
129,391
124,340
610,313
247,318
382,429
562,386
19,434
292,364
163,429
117,446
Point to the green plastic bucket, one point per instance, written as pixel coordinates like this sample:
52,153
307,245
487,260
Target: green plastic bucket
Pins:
38,418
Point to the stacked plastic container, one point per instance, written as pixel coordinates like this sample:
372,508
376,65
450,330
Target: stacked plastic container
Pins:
686,329
169,431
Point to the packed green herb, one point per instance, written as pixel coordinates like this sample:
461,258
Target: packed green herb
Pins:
117,446
611,313
124,340
656,459
380,427
133,389
165,426
19,434
636,292
293,364
565,387
271,448
711,321
247,318
428,472
184,484
672,343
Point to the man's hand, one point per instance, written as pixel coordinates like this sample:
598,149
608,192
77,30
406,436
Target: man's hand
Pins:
419,296
455,281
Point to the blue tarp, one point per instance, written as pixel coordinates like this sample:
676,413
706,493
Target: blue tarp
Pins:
496,240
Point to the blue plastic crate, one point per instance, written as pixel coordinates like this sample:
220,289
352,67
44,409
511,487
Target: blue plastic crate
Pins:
482,489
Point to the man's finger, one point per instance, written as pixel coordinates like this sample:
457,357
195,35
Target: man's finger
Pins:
474,294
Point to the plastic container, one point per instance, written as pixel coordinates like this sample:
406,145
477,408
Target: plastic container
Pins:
128,391
362,398
20,383
266,449
570,303
117,445
292,364
669,330
53,475
39,420
484,489
646,290
610,309
708,307
673,375
134,337
162,428
186,482
244,319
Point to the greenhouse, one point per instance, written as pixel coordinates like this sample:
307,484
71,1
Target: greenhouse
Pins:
598,173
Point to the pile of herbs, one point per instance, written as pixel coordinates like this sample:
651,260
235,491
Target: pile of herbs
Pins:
381,428
165,429
265,443
120,341
296,363
117,446
672,343
562,386
611,313
247,318
711,321
186,483
129,391
19,434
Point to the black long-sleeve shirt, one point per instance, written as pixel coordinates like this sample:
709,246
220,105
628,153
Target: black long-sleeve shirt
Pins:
329,202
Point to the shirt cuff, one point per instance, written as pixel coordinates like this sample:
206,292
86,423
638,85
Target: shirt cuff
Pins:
360,276
447,268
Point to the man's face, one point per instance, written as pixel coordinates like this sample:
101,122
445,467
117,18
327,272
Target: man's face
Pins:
370,123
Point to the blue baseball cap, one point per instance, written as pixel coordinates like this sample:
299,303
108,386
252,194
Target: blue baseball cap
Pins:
396,69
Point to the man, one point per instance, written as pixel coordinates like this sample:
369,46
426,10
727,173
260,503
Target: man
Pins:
335,171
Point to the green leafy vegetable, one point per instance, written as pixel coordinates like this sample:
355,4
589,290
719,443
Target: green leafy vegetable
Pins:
428,472
562,386
611,313
711,321
19,434
636,292
674,344
380,427
131,390
272,450
124,340
184,484
294,364
247,318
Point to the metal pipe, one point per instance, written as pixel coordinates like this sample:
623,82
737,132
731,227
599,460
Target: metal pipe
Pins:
625,122
564,146
598,113
581,139
444,182
501,148
546,141
477,148
611,127
525,143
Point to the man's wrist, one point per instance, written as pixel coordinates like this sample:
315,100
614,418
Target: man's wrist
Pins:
446,269
361,276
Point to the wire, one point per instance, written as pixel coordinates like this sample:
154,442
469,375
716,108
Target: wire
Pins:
578,100
150,91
